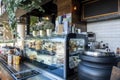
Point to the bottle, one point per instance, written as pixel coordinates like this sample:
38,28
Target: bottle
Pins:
73,28
9,59
117,51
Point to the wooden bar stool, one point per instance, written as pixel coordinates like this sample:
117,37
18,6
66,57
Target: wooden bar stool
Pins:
115,75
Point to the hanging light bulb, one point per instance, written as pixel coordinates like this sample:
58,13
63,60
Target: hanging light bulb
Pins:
47,18
75,8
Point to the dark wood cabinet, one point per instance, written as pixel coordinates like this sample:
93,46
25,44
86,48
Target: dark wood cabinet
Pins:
95,9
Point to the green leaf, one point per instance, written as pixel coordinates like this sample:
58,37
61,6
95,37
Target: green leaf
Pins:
13,5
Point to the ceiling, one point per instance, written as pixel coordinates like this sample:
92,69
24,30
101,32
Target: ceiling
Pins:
48,5
50,8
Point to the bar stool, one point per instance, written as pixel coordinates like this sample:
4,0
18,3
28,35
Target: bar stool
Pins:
115,75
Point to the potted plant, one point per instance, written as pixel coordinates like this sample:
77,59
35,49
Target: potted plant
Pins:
13,5
41,31
41,28
48,27
34,31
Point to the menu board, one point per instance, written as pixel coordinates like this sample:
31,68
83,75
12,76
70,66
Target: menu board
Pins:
95,8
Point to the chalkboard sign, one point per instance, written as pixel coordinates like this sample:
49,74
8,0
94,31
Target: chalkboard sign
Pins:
95,8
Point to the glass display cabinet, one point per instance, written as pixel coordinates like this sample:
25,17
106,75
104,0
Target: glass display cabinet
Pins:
58,55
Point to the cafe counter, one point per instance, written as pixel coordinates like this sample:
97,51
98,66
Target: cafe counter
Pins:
23,71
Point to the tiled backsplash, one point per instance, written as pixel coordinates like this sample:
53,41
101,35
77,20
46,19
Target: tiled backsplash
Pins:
107,31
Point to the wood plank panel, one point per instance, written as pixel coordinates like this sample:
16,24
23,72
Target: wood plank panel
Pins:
64,6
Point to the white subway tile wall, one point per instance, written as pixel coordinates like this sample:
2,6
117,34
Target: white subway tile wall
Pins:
107,31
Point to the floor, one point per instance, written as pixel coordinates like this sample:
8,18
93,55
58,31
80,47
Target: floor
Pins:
75,77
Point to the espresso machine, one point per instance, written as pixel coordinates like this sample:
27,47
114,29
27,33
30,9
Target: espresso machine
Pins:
96,62
91,40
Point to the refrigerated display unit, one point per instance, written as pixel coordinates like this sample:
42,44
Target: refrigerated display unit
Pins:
57,54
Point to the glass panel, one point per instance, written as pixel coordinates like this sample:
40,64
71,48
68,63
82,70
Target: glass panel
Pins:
76,46
49,53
